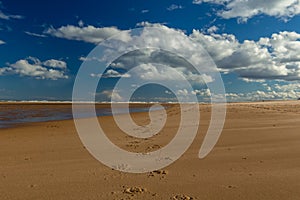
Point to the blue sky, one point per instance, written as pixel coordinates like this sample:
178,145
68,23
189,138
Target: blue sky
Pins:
255,44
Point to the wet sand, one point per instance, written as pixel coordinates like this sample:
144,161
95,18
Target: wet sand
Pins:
256,157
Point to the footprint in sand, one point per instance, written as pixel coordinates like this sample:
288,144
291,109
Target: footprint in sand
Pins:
182,197
32,186
132,145
135,190
158,172
27,158
231,187
153,147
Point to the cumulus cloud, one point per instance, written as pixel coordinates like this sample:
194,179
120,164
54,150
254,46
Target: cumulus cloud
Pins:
147,59
88,33
33,67
109,94
269,91
219,46
156,72
183,92
263,95
160,66
2,42
276,57
245,9
287,91
202,92
295,87
269,58
55,64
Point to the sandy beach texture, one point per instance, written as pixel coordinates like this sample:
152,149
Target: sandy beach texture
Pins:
257,157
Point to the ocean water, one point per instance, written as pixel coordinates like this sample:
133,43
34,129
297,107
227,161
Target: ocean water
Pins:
16,114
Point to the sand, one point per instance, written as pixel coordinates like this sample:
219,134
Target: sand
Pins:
256,157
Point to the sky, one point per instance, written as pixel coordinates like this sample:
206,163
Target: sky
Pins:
255,46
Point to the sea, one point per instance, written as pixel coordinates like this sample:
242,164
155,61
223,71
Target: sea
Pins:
18,113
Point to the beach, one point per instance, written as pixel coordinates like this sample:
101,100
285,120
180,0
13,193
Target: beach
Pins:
256,157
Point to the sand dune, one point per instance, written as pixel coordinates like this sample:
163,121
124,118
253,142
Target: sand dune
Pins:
257,157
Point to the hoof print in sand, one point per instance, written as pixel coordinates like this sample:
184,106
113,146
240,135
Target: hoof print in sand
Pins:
182,197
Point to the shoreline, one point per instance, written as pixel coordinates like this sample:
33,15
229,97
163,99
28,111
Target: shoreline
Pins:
133,102
107,106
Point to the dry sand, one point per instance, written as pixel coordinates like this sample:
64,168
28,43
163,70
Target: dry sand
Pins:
257,157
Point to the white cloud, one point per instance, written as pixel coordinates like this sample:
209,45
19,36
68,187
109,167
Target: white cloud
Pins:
273,58
245,9
88,33
33,67
117,65
278,91
210,1
174,7
148,24
212,29
110,94
96,75
247,80
82,58
197,1
114,74
157,72
168,92
2,70
183,92
2,42
269,58
8,17
219,46
144,11
34,34
287,87
80,23
165,38
111,74
55,64
116,96
277,57
202,93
